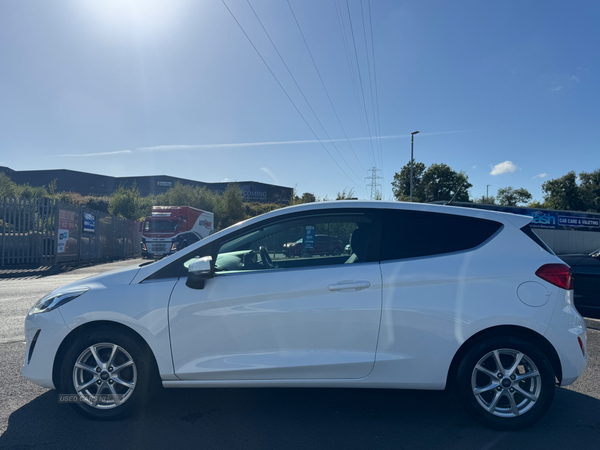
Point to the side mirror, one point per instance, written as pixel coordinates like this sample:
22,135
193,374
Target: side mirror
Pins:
198,272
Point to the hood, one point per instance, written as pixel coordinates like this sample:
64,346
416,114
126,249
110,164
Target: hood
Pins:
116,277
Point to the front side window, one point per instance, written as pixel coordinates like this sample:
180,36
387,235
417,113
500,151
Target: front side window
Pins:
312,240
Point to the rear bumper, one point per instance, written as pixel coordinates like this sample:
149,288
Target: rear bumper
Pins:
567,327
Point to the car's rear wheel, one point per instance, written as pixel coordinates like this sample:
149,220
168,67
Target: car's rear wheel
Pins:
505,383
108,373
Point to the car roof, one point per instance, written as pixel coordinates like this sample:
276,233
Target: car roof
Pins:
515,219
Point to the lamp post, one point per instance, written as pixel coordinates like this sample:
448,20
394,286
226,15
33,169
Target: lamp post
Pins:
412,143
487,193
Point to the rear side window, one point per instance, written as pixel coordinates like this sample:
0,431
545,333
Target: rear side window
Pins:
410,234
534,237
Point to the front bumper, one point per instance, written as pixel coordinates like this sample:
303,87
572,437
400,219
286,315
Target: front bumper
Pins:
38,361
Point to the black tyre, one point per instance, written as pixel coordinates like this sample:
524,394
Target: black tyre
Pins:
110,373
505,383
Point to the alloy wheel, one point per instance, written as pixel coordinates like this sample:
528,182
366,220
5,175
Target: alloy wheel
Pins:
104,375
506,383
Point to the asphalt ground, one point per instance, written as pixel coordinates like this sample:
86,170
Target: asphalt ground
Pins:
31,417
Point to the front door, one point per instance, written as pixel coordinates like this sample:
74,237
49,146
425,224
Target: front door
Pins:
265,316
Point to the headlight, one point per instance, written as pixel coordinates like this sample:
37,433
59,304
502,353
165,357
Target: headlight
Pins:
53,301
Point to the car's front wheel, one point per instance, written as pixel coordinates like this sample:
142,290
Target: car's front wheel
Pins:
505,383
108,374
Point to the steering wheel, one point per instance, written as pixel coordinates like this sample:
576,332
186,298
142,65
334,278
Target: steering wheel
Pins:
266,259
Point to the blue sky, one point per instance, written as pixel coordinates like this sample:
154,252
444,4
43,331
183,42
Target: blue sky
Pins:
507,92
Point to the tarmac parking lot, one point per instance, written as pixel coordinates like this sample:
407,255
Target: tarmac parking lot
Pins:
31,417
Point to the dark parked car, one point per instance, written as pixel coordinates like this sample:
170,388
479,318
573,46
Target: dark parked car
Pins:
585,270
323,245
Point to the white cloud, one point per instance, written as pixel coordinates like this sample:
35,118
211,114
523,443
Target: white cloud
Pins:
556,88
474,167
81,155
540,175
574,78
268,172
503,167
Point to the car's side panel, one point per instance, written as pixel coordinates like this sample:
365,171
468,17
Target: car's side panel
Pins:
141,307
432,305
278,324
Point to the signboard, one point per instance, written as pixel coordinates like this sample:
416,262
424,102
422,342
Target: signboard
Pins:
89,223
309,237
67,219
63,241
164,183
67,224
578,221
548,218
561,220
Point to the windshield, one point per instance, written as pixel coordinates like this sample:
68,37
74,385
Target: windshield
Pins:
160,226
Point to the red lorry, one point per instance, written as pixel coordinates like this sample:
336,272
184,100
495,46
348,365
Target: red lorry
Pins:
171,228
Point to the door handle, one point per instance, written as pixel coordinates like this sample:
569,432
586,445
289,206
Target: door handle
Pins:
349,286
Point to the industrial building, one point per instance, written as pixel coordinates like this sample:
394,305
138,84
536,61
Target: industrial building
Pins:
86,183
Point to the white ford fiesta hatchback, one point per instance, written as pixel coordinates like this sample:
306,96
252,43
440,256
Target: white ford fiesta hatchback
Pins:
430,297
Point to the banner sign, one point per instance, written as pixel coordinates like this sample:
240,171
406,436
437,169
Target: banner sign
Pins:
63,241
309,237
89,223
577,221
67,219
548,218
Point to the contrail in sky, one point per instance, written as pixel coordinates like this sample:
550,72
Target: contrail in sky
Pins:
178,147
166,148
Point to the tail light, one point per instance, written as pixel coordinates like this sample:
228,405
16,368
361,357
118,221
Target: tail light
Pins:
556,274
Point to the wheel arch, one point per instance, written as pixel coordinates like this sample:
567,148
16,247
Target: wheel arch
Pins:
93,326
506,330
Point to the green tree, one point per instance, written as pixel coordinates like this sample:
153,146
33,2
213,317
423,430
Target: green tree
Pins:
563,193
401,183
308,197
8,188
590,190
440,183
229,207
186,195
345,195
126,202
30,192
509,196
485,200
537,204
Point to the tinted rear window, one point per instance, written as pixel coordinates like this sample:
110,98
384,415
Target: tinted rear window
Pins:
410,234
